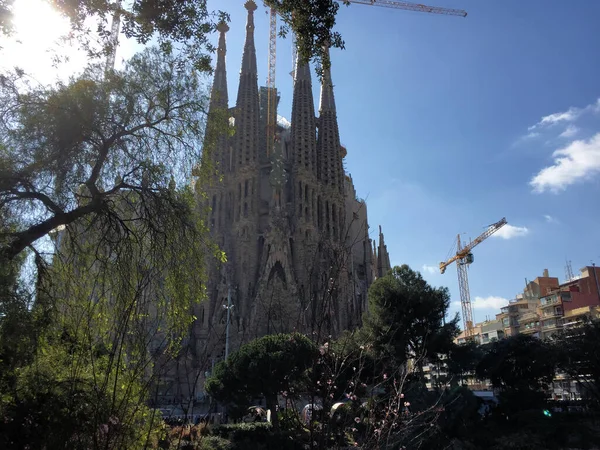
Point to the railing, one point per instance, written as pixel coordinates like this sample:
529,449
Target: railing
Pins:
553,313
548,301
529,317
548,326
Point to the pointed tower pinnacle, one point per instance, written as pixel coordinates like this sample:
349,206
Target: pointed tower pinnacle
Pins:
303,132
383,257
329,154
327,99
219,97
249,57
215,138
247,106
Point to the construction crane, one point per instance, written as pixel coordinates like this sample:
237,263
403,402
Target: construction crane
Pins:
113,37
463,258
272,98
271,95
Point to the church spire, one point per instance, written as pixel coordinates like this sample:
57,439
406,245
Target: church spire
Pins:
327,99
215,140
303,132
329,153
219,97
249,57
247,106
383,257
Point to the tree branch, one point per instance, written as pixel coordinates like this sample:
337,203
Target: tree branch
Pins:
23,239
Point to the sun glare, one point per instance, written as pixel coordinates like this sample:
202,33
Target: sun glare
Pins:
36,22
36,43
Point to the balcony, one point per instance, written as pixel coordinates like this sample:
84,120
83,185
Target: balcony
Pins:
510,310
530,330
550,301
551,325
554,312
530,316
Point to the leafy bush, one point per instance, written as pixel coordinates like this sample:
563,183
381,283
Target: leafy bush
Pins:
240,430
214,443
289,420
257,436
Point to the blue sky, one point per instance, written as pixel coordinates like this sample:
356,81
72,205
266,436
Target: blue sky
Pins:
451,124
443,118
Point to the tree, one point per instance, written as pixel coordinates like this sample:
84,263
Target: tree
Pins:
463,359
406,318
182,24
187,24
521,366
118,298
312,22
267,367
68,150
578,356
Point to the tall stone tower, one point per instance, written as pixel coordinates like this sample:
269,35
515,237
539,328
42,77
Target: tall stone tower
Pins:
299,254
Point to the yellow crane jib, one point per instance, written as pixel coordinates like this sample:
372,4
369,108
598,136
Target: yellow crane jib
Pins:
463,258
466,250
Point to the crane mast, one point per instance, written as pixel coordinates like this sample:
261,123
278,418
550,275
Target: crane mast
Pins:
271,95
464,258
114,37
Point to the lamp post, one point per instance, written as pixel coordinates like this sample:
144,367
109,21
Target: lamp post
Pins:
228,308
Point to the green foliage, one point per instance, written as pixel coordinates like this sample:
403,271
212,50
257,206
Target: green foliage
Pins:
182,24
268,366
258,436
119,296
69,149
214,443
520,366
520,363
463,359
312,21
577,355
460,413
57,404
406,318
241,431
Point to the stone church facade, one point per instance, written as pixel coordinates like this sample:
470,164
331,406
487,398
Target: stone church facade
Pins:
299,254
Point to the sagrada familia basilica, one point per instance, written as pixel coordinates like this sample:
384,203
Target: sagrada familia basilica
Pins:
299,252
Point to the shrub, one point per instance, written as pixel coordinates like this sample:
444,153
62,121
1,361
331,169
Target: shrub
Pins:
214,443
239,430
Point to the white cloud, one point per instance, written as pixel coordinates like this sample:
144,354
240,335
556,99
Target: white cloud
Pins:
430,269
283,122
550,219
490,302
570,115
578,161
570,131
527,137
510,231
